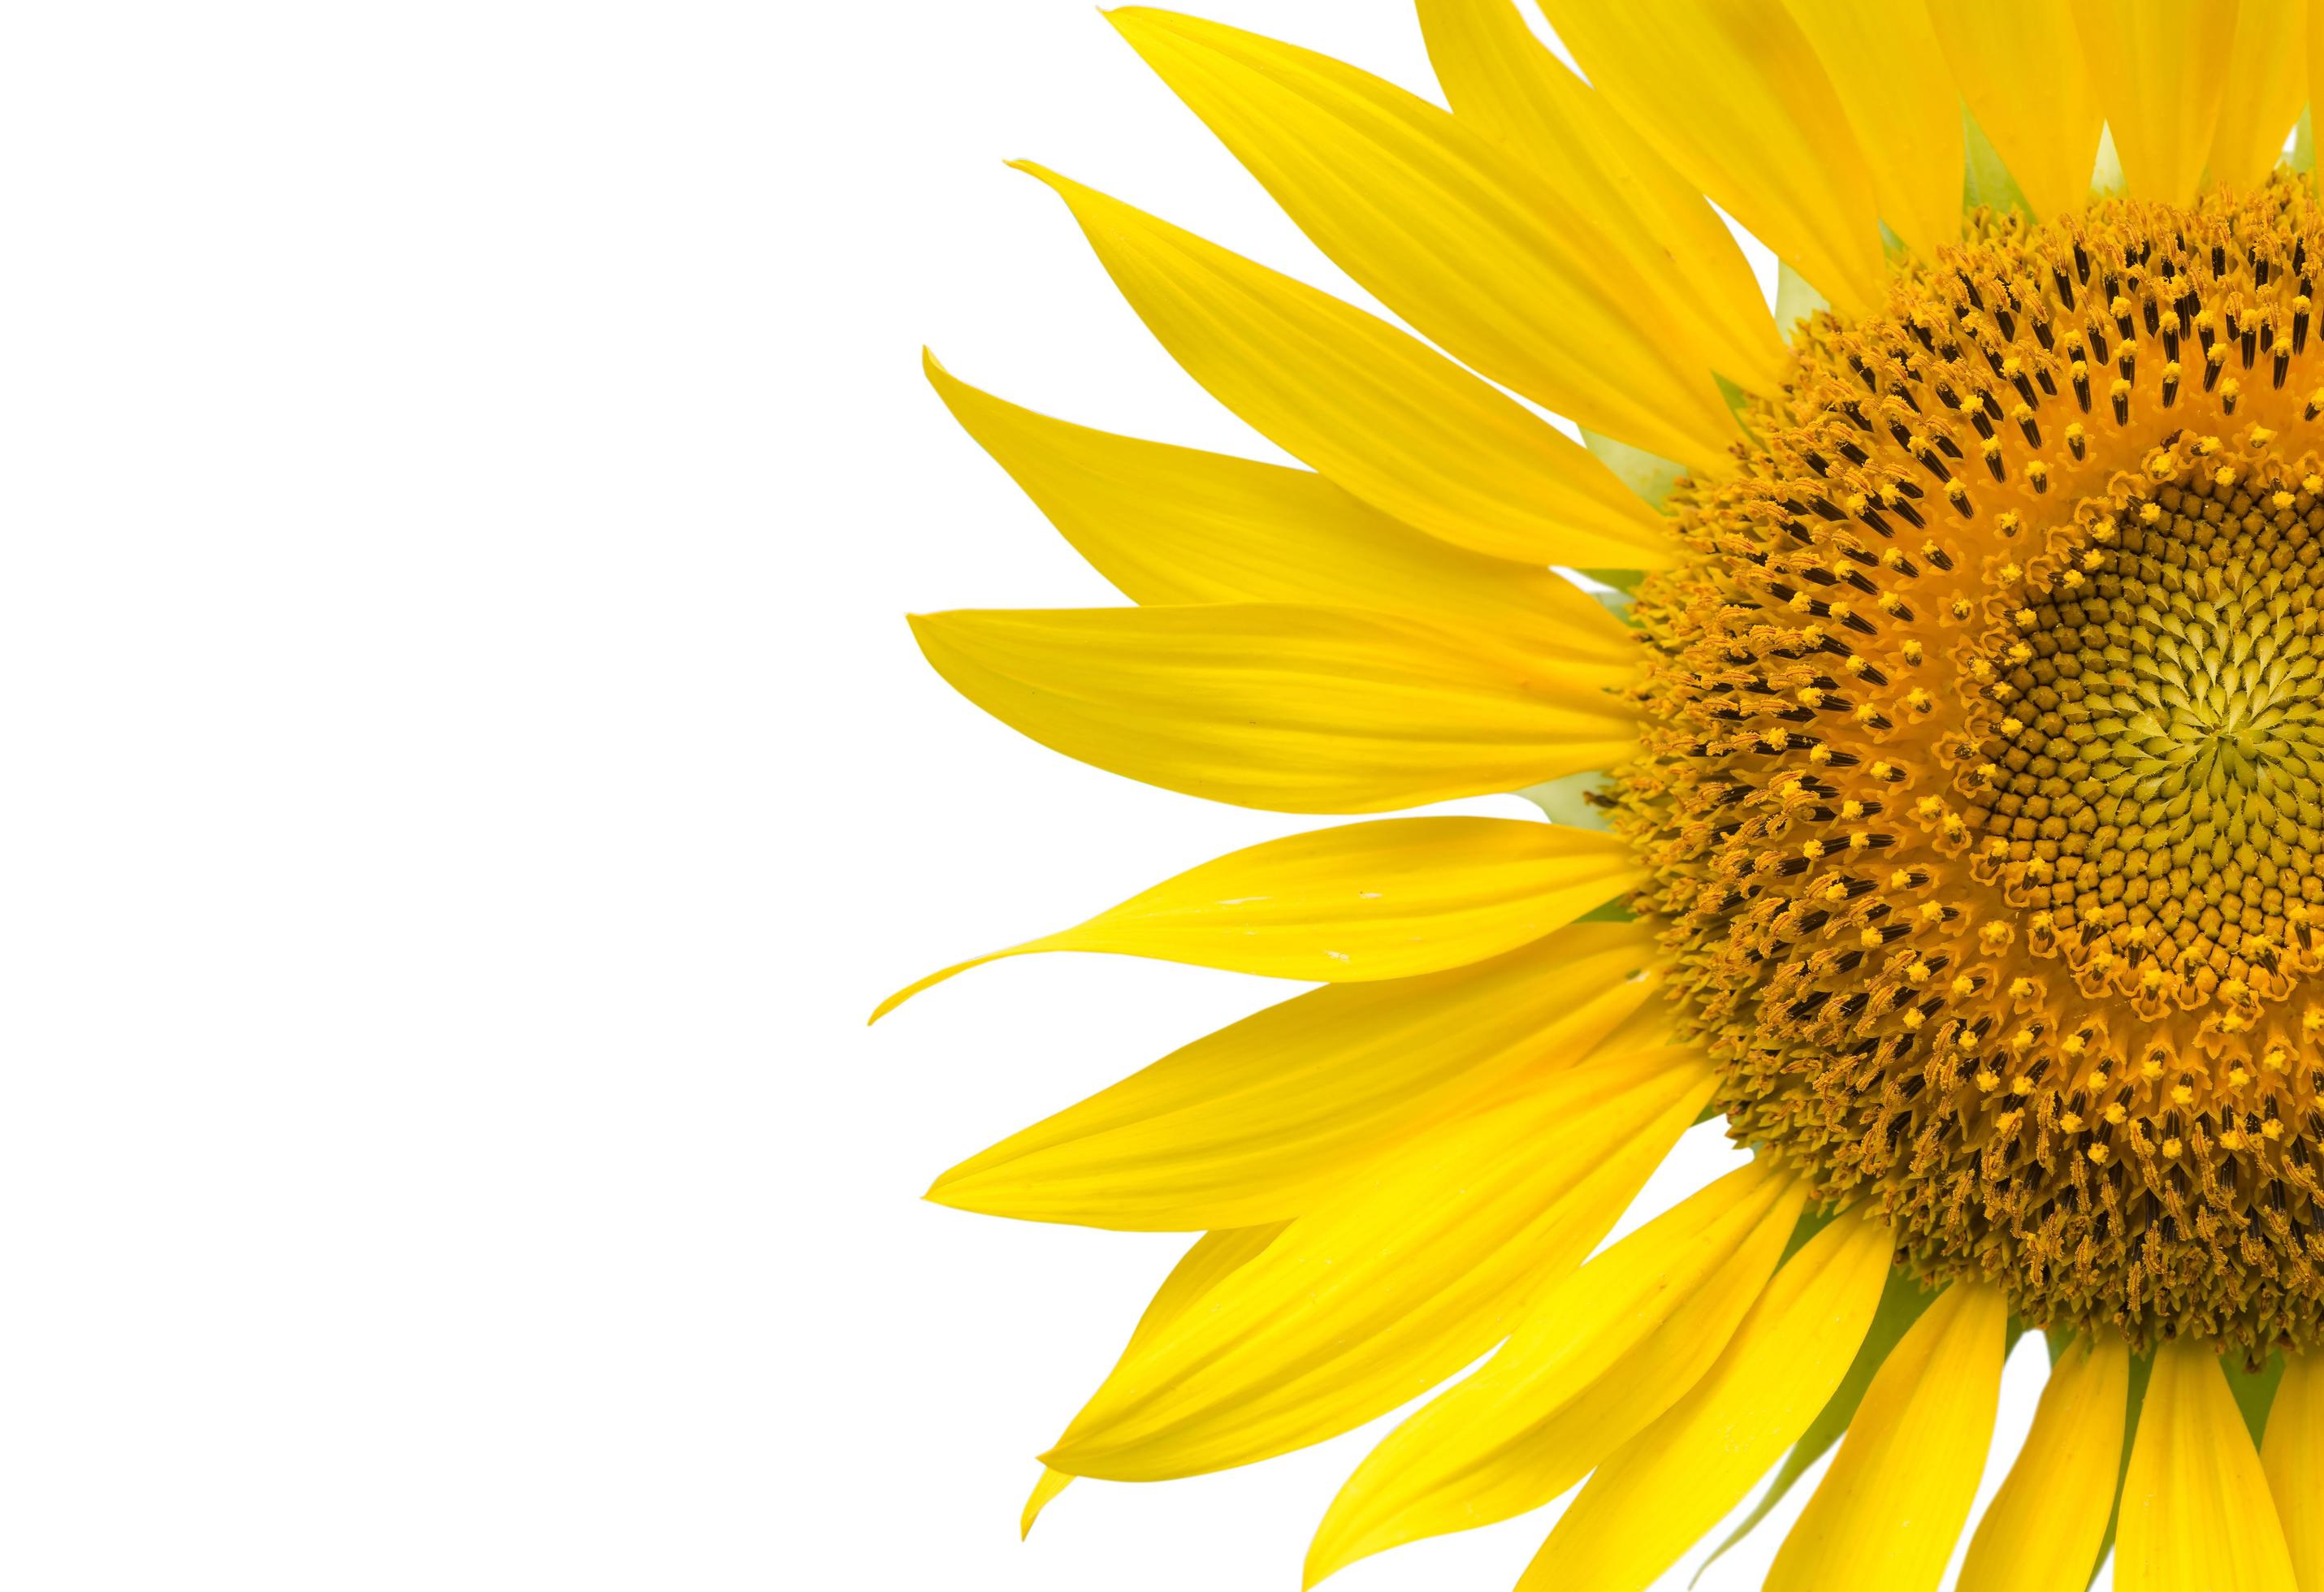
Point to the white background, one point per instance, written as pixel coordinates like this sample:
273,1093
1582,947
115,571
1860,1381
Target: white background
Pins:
468,780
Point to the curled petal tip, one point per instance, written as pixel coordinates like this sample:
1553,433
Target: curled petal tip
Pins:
1045,1492
938,977
1034,168
898,998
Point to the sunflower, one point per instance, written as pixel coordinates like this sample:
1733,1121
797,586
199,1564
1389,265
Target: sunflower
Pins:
1923,686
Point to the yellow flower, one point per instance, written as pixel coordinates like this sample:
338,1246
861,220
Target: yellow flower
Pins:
1937,770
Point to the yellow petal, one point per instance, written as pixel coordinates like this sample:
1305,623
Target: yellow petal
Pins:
1202,1268
1262,1120
1045,1490
2313,51
2195,1506
1655,224
1298,709
1603,1353
1175,525
1398,1282
2267,83
2019,65
1447,229
1375,408
1886,1515
2292,1457
1731,93
1358,903
1673,1481
2043,1530
1884,63
2160,67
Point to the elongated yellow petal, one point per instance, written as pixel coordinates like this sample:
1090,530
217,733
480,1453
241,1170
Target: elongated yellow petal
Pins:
1202,1268
1602,1354
1884,63
1375,408
1360,902
2267,83
2160,67
1667,1486
2195,1505
1448,230
1886,1515
1045,1492
2019,65
2292,1455
1302,710
1211,1259
2043,1531
1656,225
1731,93
2314,55
1396,1283
1262,1120
1173,525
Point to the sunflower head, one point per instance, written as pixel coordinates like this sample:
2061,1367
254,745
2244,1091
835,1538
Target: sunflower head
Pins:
1936,778
1982,780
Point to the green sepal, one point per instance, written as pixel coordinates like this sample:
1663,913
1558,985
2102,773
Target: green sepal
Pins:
1812,1222
1795,299
1650,475
2254,1390
1566,801
1901,1304
2304,142
1985,178
1616,603
2105,172
1615,590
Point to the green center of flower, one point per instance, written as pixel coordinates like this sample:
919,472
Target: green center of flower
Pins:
2150,772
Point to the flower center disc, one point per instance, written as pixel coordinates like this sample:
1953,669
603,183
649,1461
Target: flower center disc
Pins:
1985,785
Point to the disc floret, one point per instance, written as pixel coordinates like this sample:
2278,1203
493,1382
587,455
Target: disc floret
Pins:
1984,789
